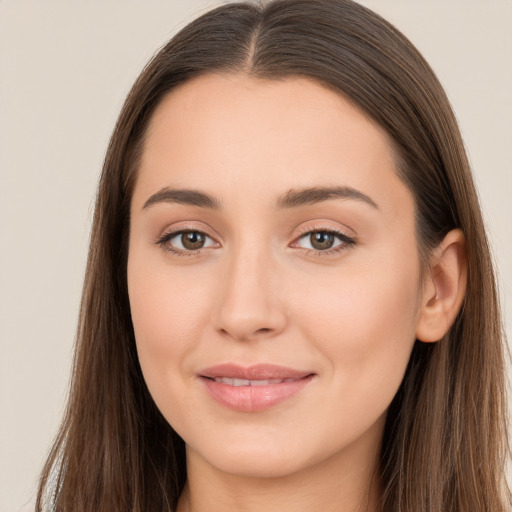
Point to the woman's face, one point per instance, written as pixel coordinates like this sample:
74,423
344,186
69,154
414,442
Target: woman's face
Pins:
273,274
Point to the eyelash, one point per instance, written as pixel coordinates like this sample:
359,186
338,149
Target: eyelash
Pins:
346,240
166,237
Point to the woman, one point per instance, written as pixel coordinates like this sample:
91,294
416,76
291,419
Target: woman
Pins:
289,300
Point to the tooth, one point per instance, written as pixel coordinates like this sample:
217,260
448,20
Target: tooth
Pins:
260,382
224,380
246,382
241,382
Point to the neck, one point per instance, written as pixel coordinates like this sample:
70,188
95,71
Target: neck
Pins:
347,482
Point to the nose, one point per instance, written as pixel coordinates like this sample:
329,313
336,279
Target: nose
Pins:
250,304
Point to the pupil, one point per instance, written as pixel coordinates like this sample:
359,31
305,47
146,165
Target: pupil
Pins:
322,240
192,240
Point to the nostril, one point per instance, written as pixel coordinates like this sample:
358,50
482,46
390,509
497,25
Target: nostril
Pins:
247,334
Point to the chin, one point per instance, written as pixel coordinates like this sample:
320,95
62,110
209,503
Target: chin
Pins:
273,455
256,464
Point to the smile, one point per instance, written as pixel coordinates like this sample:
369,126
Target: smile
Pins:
246,382
255,388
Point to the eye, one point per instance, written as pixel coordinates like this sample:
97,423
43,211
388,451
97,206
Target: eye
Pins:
324,241
186,241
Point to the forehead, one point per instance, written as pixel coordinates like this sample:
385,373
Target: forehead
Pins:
232,133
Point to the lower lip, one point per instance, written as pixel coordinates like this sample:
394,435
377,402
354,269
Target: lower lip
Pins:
254,398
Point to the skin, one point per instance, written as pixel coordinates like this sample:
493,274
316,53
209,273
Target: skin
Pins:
259,292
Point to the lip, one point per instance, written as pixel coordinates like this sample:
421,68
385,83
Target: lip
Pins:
259,396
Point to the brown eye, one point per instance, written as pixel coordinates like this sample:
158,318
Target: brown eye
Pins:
321,240
324,241
186,241
192,240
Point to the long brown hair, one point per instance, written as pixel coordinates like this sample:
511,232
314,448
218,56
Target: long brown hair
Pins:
444,445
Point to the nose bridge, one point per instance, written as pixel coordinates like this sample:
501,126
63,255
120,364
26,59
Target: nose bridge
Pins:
249,304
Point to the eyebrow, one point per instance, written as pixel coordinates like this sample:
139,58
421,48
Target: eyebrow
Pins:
313,195
292,199
183,196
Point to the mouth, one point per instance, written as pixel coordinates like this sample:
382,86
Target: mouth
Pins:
254,388
247,382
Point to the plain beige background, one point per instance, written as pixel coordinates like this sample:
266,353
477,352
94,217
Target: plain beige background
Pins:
65,68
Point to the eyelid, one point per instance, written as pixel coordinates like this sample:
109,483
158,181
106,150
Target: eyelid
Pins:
180,228
323,225
175,230
346,239
326,226
176,234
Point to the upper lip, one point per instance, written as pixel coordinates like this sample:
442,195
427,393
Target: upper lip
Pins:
253,372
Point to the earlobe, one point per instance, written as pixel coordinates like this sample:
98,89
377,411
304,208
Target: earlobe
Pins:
444,288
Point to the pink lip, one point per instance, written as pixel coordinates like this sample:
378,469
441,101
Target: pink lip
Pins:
247,398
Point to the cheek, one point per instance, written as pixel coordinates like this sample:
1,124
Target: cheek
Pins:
168,314
357,302
364,322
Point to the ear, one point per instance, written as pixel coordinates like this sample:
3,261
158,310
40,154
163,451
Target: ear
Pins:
444,288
